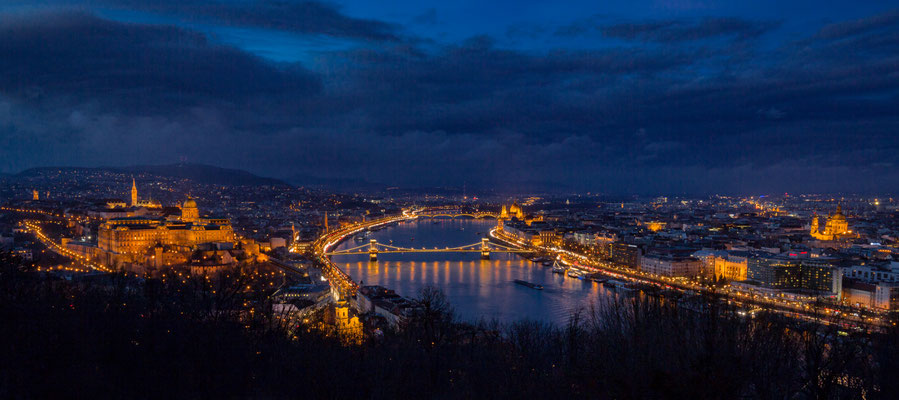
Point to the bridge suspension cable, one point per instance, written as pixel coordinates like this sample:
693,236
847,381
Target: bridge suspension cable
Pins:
374,247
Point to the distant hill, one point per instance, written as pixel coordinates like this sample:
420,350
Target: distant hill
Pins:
202,173
199,173
335,184
38,172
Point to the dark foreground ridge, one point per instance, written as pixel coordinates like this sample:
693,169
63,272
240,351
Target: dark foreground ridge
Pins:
117,337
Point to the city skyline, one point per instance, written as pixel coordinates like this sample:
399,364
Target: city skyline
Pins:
346,199
652,97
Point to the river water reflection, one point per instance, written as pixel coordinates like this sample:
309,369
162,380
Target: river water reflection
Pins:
476,288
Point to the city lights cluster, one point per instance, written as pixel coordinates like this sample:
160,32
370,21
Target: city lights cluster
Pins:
35,228
799,308
332,272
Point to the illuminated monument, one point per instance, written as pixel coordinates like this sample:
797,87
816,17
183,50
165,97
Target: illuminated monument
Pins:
515,211
137,202
349,329
835,228
133,193
132,239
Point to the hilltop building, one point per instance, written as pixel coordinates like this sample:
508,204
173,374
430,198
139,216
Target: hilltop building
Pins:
130,237
137,202
165,240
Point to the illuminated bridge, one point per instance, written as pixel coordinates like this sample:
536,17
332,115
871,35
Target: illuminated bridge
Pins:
373,248
455,214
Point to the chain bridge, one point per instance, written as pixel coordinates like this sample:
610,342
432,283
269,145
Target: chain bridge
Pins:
373,248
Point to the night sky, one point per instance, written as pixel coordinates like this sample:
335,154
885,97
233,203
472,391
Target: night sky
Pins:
638,96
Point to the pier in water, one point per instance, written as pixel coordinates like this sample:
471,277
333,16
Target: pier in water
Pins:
476,288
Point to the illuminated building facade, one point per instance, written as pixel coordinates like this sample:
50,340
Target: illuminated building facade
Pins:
655,226
730,267
667,265
516,212
549,237
835,228
128,239
349,329
137,202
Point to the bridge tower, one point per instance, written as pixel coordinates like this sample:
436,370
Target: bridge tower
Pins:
373,250
485,250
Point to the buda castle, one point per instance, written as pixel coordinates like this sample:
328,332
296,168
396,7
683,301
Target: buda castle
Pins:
132,239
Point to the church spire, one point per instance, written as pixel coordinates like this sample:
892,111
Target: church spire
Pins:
133,192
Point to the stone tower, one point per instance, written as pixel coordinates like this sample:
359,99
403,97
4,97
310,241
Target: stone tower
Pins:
133,192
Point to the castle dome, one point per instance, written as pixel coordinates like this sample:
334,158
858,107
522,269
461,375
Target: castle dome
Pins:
189,203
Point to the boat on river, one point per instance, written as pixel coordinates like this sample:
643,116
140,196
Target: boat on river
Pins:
618,285
576,273
529,284
558,268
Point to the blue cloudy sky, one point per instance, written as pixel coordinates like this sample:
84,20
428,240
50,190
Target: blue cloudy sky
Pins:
641,96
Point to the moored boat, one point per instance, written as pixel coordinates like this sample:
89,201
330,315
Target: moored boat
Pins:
573,273
558,268
618,285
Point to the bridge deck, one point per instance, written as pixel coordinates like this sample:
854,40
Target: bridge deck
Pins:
338,253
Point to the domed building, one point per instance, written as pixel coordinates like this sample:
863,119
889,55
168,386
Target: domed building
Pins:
131,239
189,211
835,228
515,211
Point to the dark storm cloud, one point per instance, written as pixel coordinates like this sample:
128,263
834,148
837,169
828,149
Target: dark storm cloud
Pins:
886,20
674,30
307,17
75,89
475,87
129,66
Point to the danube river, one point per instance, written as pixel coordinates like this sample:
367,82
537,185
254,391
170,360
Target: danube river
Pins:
476,288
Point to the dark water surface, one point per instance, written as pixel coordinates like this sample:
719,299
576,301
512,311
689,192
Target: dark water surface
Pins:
476,288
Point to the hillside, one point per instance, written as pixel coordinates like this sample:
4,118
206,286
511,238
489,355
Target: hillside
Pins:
204,174
200,173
